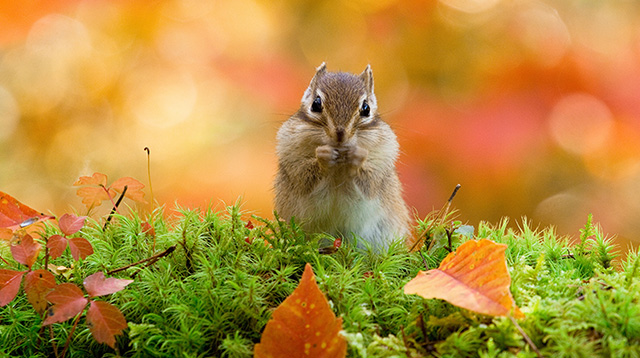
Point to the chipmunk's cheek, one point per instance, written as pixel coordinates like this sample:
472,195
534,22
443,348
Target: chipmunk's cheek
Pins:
358,156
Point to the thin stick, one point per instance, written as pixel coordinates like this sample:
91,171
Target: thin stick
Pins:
444,210
450,247
404,339
46,253
153,259
115,207
146,149
526,337
426,266
455,191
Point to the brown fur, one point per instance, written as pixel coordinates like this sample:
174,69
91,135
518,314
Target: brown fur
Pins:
336,169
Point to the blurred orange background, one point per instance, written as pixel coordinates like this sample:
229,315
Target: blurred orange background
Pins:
533,106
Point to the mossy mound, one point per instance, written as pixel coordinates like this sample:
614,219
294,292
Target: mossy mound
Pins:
213,295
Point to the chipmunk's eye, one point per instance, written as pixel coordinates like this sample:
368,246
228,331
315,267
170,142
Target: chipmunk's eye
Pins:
365,109
316,106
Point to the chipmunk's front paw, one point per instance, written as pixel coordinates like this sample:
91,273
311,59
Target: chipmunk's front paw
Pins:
357,156
327,156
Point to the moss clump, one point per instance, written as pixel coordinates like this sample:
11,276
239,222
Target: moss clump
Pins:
215,293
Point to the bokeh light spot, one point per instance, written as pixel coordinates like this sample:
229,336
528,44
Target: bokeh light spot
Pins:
162,99
59,35
9,114
580,123
543,31
470,6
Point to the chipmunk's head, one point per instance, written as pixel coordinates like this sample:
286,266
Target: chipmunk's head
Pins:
342,104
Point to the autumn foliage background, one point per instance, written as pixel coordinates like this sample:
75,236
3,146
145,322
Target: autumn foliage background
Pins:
533,106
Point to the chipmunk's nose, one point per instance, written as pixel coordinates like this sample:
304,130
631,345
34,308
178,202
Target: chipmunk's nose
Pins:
339,134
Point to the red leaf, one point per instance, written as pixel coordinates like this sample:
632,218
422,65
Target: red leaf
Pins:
9,285
14,214
303,325
26,251
56,245
80,248
105,322
68,300
36,285
97,285
70,224
148,229
134,188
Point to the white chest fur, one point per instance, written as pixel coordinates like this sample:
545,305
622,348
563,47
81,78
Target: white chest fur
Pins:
343,210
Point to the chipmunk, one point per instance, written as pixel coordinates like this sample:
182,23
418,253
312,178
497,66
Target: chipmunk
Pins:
336,163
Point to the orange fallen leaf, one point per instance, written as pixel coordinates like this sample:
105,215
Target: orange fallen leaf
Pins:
474,277
303,325
15,215
6,234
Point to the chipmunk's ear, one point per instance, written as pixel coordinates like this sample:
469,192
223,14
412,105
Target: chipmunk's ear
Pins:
367,77
322,68
309,94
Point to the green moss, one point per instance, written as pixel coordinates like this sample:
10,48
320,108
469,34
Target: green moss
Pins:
214,294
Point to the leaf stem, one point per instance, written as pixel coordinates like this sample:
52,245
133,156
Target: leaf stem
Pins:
53,342
75,324
5,261
108,194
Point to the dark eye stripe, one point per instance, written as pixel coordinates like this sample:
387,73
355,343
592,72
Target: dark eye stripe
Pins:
373,122
309,119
